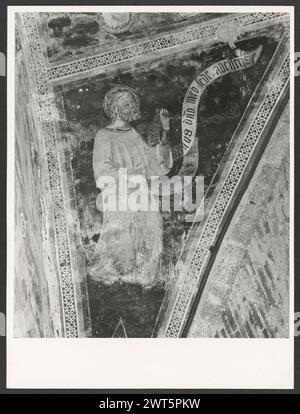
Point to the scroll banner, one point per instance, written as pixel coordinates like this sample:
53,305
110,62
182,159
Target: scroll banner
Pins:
197,87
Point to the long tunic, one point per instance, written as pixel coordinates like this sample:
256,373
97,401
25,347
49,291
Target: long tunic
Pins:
130,242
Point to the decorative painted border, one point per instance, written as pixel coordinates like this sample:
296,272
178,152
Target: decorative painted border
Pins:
45,113
203,31
45,108
206,239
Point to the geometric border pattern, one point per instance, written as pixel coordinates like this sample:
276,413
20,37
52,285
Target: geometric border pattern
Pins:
43,105
210,229
203,31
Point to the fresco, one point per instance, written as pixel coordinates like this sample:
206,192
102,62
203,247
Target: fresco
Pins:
70,35
120,305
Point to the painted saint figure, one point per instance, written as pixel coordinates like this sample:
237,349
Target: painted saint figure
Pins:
130,242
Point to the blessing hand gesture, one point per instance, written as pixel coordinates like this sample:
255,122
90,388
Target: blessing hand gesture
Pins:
165,119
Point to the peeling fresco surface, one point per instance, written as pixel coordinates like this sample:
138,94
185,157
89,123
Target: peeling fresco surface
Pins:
159,84
71,35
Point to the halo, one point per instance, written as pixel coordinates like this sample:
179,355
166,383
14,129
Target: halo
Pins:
118,27
110,95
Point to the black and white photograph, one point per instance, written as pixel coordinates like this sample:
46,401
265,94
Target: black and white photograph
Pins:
137,97
151,168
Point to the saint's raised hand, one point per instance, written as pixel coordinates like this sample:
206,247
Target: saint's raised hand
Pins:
165,119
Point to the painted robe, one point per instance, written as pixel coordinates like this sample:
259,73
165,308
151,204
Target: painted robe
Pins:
130,242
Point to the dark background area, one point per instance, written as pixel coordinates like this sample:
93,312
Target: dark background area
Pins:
3,6
160,84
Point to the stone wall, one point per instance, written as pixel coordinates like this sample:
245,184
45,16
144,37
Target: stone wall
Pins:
38,311
247,291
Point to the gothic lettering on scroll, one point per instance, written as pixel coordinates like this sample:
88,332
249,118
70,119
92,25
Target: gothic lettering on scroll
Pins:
196,88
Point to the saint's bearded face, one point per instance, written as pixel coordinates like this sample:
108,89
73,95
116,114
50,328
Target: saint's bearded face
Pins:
127,108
